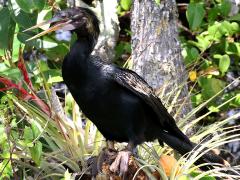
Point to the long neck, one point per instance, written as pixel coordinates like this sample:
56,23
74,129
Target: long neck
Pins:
76,62
83,46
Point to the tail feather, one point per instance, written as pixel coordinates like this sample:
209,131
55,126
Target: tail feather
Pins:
184,147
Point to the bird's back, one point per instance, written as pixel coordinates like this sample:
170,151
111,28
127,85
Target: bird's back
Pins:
112,108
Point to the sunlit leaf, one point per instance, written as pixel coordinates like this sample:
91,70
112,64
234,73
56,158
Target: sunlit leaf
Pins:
35,130
184,177
126,4
224,63
67,176
206,177
213,109
12,73
158,1
237,100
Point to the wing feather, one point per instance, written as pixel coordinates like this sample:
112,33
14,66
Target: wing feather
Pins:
136,84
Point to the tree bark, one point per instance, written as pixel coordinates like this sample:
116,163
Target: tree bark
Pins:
156,50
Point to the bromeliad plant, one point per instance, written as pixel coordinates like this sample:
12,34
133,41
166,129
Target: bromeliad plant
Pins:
37,134
42,140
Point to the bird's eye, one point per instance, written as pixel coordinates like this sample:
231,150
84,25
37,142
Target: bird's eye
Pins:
63,15
76,16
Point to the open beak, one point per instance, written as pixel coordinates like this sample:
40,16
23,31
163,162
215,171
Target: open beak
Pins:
59,24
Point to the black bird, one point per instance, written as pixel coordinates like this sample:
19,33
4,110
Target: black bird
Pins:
118,101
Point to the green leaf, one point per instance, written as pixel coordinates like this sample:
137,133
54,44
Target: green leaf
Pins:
11,73
126,4
158,2
184,177
206,177
57,53
234,18
39,4
203,42
16,45
192,55
210,86
54,79
196,99
26,5
30,5
67,175
53,75
233,48
38,43
195,15
225,28
225,7
28,136
7,26
36,132
214,31
25,20
36,152
217,56
224,63
237,100
212,14
6,169
213,109
3,135
43,66
121,48
235,27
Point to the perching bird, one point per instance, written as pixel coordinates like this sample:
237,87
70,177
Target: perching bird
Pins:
118,101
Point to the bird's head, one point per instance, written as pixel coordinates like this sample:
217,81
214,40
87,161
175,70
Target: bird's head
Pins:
83,21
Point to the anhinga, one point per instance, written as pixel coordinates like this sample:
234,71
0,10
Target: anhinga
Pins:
118,101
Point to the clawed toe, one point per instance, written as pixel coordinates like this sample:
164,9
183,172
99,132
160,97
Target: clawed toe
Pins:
106,155
121,163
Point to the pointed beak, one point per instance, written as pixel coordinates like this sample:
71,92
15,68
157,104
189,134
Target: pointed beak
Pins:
59,24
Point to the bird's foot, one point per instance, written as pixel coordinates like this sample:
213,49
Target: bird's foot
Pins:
105,156
121,163
100,164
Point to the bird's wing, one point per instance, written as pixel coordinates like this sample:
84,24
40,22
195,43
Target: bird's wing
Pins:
136,84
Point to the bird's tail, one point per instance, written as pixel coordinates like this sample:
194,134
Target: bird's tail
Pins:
184,147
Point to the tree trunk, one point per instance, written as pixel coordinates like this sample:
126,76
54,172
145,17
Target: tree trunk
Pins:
156,50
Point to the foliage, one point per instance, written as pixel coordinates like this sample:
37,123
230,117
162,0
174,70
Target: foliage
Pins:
211,51
42,140
124,5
